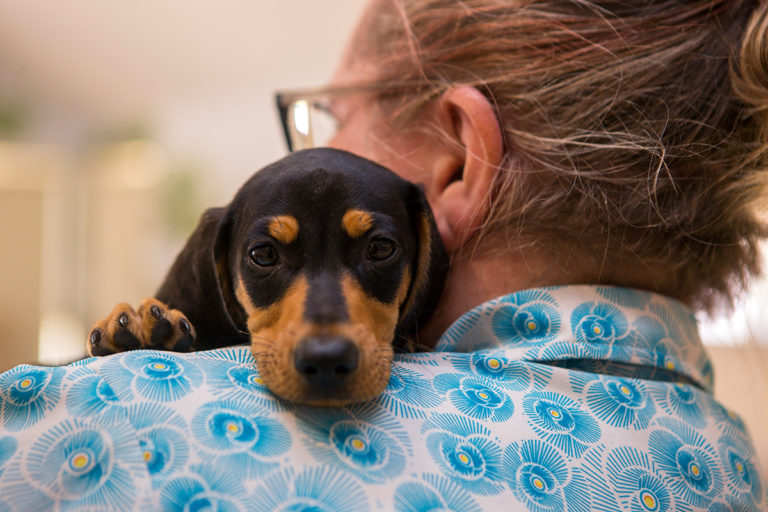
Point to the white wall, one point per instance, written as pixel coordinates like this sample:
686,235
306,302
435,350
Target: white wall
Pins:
198,74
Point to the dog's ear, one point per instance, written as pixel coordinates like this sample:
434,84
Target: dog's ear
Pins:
428,271
222,248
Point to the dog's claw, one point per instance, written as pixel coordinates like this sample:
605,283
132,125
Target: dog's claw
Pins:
153,325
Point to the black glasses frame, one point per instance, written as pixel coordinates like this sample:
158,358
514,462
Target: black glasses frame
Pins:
284,99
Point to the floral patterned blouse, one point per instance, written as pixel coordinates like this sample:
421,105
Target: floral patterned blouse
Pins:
569,398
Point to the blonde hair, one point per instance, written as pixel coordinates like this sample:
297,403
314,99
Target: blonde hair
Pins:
637,130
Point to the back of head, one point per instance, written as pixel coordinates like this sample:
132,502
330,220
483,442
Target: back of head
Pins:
636,133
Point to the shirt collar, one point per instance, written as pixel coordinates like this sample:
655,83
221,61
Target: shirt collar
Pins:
591,323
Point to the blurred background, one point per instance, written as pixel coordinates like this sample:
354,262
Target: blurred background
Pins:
120,122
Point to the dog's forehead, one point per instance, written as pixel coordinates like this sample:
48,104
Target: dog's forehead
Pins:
331,186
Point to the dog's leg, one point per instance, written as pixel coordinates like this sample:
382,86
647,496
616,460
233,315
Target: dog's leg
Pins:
154,326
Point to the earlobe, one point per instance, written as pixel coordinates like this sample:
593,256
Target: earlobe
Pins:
462,185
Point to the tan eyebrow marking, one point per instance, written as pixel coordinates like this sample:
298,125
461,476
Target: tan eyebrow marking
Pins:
284,228
357,222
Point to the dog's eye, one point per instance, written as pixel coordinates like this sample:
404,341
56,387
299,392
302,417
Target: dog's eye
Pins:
381,249
264,255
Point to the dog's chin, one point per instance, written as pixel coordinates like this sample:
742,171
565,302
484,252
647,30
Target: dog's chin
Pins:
288,384
293,390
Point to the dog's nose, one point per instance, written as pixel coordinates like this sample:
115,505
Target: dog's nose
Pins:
325,361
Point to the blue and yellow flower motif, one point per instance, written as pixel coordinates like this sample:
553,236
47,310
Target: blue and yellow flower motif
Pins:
742,476
205,488
679,321
476,397
90,395
542,478
433,493
158,376
313,489
654,345
626,479
232,374
687,460
75,464
8,447
409,394
465,453
561,421
163,439
497,365
730,504
364,440
620,402
27,393
681,401
528,316
233,436
727,421
625,297
598,325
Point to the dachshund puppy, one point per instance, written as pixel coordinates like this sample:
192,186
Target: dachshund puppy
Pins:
325,262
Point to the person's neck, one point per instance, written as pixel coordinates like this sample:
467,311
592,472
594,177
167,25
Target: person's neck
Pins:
477,277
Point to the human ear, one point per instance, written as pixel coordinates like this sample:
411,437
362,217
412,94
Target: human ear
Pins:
461,186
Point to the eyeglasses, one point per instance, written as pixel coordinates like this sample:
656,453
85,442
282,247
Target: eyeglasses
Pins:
307,117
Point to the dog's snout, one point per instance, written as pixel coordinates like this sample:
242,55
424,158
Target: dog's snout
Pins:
326,361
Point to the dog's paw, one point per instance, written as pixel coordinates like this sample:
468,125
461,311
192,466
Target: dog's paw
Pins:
153,326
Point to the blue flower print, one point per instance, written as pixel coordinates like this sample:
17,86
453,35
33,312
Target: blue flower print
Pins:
431,494
528,316
76,465
163,439
158,376
236,377
232,436
540,476
625,297
598,325
681,401
729,423
687,460
465,452
475,397
313,489
654,345
679,322
737,461
409,394
506,372
561,421
626,479
730,504
205,488
27,393
8,447
91,396
365,440
621,402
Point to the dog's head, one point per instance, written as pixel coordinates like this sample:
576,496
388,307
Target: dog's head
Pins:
331,261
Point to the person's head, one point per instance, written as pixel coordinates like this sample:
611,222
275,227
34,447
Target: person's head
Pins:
628,140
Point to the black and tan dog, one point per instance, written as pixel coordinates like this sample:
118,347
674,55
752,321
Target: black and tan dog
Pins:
324,262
